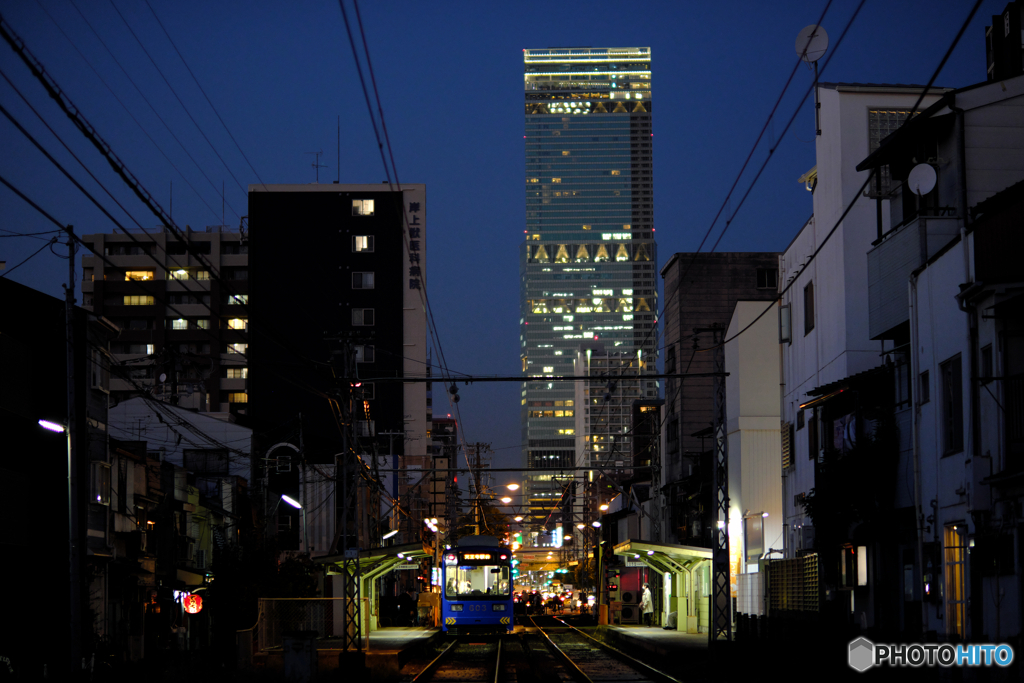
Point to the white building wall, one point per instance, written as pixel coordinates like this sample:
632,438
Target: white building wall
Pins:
839,344
752,418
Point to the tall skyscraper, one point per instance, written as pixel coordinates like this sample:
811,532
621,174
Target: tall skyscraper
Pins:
587,263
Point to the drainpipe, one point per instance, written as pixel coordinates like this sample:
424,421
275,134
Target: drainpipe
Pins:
915,419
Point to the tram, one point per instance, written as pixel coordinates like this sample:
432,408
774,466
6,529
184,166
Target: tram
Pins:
477,581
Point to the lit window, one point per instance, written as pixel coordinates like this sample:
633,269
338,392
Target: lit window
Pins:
565,152
237,373
202,275
179,324
556,180
100,490
616,172
238,324
362,280
237,348
567,432
235,299
549,368
362,316
179,274
203,323
362,243
138,275
138,301
362,207
238,397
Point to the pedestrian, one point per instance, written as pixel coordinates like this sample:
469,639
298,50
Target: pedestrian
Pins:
647,605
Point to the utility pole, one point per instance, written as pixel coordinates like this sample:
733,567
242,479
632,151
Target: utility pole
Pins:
395,515
74,556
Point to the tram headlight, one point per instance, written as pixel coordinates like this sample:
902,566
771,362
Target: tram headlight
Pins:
456,608
498,608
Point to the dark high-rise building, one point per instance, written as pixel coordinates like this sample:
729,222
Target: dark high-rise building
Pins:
587,263
337,319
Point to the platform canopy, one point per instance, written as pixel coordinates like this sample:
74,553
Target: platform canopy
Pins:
375,562
663,557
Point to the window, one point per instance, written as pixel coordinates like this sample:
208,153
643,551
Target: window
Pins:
235,248
926,390
670,361
284,463
138,275
986,364
952,406
808,308
236,299
99,492
812,437
785,324
238,324
237,273
362,207
206,461
238,397
236,373
362,280
148,349
362,316
202,275
177,274
190,324
883,122
179,324
236,348
800,419
767,278
955,578
364,353
362,243
138,301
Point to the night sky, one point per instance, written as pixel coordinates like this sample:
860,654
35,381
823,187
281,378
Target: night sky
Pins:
450,81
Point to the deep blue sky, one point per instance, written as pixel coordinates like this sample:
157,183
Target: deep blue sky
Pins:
450,78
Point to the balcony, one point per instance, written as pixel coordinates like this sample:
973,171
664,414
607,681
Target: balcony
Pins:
895,256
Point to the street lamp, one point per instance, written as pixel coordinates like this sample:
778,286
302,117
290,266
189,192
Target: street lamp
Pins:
298,506
512,487
506,500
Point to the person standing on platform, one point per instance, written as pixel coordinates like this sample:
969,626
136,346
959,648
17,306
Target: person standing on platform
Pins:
647,605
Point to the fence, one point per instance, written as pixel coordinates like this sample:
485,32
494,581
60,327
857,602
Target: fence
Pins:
278,616
793,584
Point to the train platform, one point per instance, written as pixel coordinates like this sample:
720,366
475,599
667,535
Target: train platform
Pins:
653,639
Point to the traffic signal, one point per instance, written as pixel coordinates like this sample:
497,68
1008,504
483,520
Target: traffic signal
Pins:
611,579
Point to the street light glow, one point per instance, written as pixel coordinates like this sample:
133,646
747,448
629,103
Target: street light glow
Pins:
513,487
604,507
291,501
389,534
597,525
519,519
506,500
52,426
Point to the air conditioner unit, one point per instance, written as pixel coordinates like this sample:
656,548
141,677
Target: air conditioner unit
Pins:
630,614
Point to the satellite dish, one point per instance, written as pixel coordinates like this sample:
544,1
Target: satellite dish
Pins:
921,179
163,377
811,43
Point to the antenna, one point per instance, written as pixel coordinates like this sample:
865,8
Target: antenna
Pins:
317,165
811,43
921,179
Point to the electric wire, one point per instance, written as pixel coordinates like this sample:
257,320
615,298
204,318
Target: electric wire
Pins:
181,102
202,90
8,271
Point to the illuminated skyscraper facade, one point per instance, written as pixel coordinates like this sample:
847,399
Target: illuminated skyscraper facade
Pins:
588,261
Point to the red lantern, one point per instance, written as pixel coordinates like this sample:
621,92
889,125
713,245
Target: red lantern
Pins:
193,603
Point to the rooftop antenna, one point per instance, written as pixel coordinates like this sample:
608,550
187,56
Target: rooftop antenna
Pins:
811,43
317,165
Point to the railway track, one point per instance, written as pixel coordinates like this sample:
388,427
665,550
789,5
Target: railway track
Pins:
548,650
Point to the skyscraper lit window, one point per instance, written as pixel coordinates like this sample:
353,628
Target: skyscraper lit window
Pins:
588,259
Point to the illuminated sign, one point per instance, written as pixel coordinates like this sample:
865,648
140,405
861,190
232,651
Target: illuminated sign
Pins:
450,559
476,556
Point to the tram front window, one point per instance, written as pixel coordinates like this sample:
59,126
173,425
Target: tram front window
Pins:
476,582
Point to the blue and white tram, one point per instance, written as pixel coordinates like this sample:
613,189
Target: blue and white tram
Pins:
477,581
